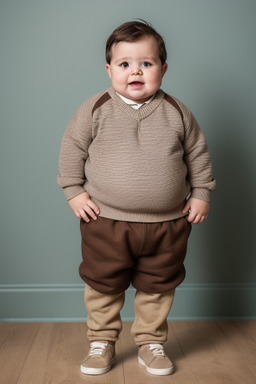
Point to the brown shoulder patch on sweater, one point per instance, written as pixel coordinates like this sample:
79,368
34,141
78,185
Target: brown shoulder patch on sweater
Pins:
105,97
170,100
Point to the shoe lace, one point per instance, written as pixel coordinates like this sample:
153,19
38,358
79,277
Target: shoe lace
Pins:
97,348
157,349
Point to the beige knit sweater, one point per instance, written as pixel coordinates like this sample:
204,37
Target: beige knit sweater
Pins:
137,165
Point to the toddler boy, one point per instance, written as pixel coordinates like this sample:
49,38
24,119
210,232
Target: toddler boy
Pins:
135,168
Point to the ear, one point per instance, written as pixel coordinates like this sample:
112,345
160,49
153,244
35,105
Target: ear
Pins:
164,68
108,70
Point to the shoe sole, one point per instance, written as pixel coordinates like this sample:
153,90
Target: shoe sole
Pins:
155,371
96,371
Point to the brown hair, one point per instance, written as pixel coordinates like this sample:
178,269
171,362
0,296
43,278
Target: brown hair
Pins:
134,31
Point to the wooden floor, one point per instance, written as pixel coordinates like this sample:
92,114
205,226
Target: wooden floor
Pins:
204,352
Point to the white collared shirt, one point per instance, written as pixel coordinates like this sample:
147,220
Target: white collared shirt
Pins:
133,103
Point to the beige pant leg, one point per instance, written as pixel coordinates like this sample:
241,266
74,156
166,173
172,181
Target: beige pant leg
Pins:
151,311
103,314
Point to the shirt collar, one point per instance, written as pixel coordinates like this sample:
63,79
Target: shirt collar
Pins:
133,103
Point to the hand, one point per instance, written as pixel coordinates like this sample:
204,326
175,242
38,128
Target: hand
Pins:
84,207
197,210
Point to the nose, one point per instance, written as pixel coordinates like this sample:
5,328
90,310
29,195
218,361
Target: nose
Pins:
137,71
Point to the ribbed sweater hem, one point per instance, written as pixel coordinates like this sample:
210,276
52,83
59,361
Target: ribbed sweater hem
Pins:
142,217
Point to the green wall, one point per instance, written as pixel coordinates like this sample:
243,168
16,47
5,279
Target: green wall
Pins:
52,59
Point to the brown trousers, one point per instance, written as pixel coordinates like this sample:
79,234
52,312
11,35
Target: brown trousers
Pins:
151,311
148,255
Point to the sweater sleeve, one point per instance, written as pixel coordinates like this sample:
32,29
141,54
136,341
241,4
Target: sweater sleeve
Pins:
74,152
197,158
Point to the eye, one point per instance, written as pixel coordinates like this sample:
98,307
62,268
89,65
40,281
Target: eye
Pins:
124,65
146,64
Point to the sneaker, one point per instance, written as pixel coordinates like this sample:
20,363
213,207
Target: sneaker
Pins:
152,357
100,358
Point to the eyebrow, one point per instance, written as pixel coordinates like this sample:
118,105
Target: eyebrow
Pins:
144,58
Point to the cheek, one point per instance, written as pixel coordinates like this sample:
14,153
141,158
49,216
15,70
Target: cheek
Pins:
118,78
155,78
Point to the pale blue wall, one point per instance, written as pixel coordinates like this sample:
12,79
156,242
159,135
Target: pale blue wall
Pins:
52,58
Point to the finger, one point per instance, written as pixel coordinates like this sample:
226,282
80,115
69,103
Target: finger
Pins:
84,216
93,207
78,214
90,212
192,217
202,219
196,219
186,209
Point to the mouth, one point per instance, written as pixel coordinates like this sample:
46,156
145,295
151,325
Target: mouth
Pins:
136,84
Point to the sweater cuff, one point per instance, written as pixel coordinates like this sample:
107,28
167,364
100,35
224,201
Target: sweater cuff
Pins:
201,194
71,192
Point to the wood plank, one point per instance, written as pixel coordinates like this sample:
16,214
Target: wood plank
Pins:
182,373
56,355
241,336
210,356
247,328
3,332
16,340
133,372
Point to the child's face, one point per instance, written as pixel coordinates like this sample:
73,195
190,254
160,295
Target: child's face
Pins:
135,69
